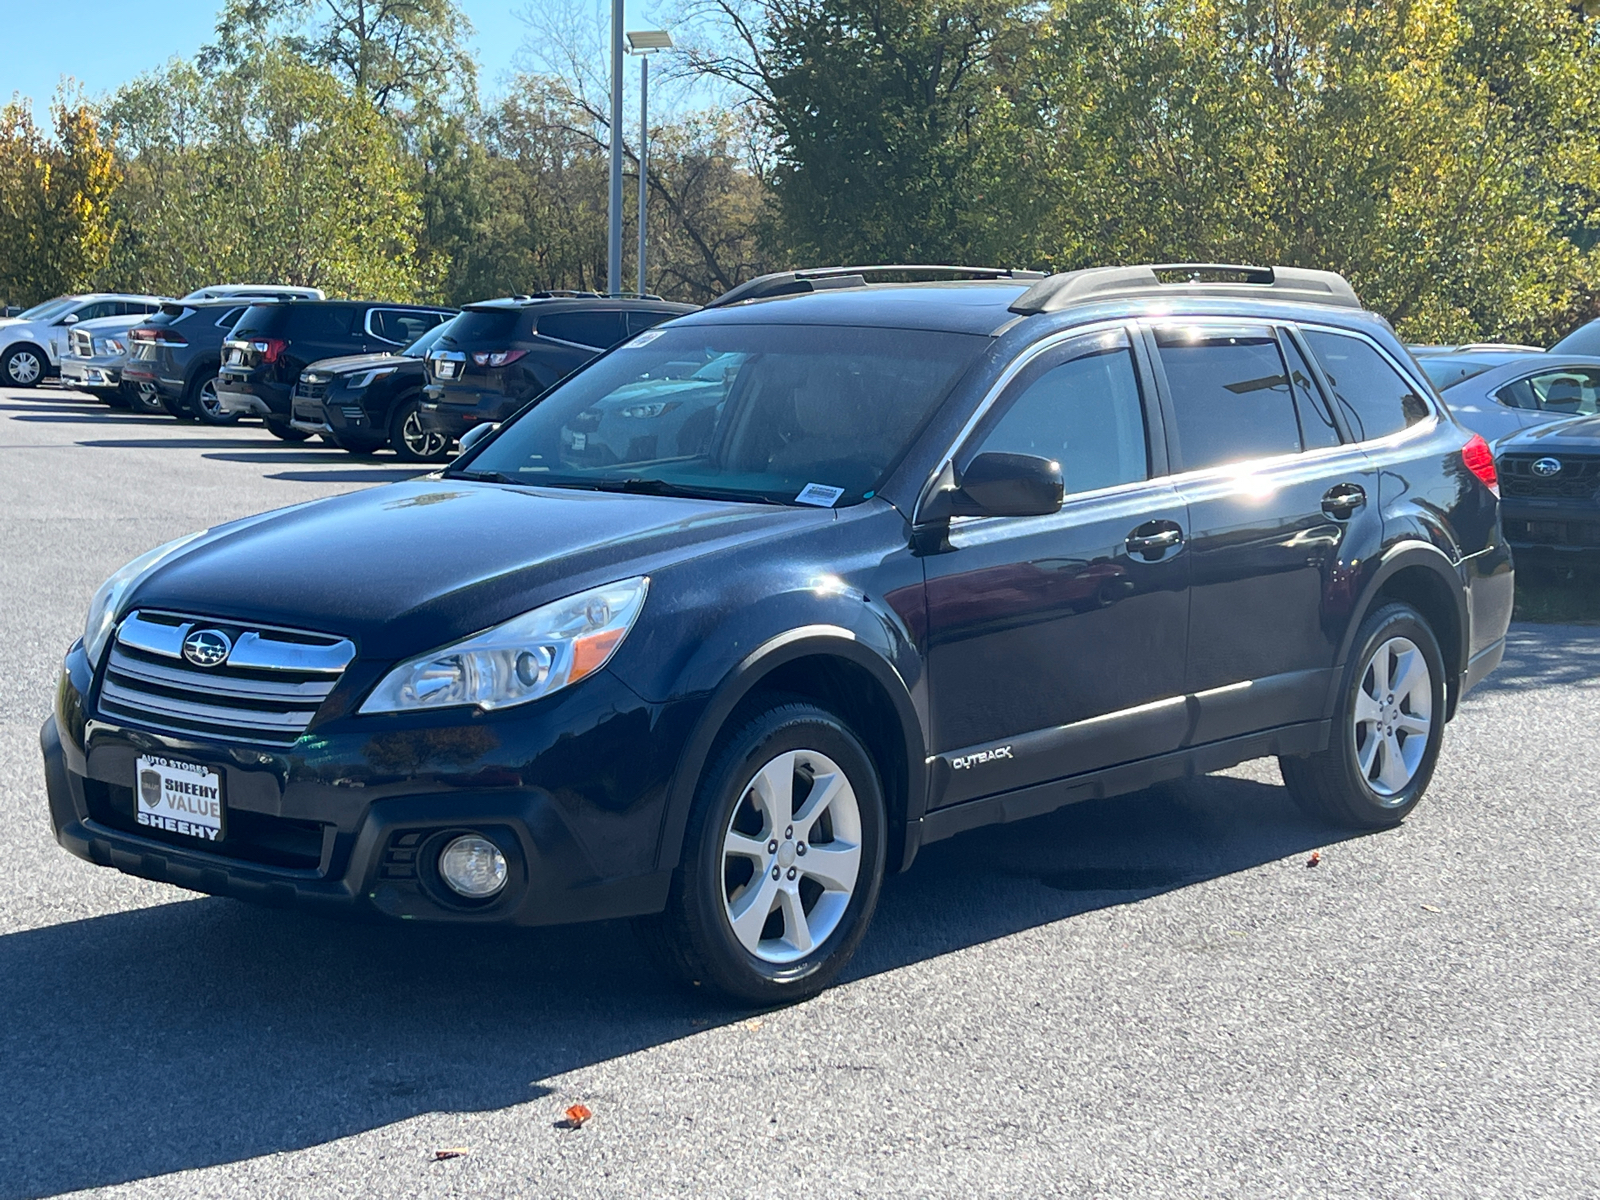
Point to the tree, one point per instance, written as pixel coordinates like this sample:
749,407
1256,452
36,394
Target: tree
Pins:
56,224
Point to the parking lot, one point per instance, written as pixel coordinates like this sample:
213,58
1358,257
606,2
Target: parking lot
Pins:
1152,996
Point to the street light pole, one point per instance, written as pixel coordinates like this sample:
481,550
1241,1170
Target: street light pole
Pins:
644,156
644,43
614,238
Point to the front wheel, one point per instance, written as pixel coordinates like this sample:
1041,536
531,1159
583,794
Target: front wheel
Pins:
413,443
783,859
22,366
1388,729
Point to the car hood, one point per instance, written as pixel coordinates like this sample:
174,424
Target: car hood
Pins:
349,364
412,566
105,325
1577,433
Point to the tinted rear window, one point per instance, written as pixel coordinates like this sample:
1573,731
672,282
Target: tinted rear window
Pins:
1375,398
1230,396
485,326
1447,372
602,330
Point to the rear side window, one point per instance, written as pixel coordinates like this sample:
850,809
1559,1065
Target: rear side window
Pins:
602,330
1375,398
1317,429
1571,390
400,326
322,323
641,319
1080,407
230,318
1230,395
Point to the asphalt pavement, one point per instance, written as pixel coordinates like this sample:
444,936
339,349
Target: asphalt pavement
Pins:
1153,996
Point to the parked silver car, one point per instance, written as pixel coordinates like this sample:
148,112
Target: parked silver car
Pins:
31,345
1497,392
96,351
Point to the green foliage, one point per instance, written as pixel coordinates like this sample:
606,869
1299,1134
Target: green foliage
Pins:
56,219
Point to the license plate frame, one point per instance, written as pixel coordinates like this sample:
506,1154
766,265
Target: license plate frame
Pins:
173,795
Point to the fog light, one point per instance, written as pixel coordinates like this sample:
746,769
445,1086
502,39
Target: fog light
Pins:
473,866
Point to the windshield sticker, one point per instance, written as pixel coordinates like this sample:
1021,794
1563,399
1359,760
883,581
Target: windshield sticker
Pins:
819,494
644,339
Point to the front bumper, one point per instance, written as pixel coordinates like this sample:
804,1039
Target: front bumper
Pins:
1551,527
102,373
351,818
339,414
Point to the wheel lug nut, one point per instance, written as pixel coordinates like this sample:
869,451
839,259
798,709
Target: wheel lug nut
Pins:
789,832
772,846
775,872
800,849
791,872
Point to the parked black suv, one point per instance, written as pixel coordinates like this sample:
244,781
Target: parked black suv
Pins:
277,340
1551,477
366,401
173,358
947,554
502,353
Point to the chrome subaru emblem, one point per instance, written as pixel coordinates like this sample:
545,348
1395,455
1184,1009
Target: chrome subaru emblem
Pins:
1547,467
207,647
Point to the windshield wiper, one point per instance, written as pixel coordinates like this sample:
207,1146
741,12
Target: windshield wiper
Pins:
662,487
486,477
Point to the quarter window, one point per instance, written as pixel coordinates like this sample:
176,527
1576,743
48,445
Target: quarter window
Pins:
401,326
1317,429
1230,395
1078,406
1571,390
602,330
1375,398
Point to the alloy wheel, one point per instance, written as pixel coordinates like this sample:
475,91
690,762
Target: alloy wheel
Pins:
25,368
207,400
1393,716
791,856
418,440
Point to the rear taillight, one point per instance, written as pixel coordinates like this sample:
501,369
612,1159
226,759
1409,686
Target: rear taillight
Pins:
167,337
1479,459
270,349
497,358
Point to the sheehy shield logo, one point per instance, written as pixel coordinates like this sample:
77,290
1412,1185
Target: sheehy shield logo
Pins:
150,788
207,647
1547,467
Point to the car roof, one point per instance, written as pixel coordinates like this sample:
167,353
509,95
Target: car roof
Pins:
558,303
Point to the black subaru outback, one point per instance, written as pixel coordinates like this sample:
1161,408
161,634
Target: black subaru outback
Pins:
928,556
499,354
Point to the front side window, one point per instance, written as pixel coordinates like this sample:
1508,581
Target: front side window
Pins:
1078,405
1231,399
750,412
1572,390
1375,398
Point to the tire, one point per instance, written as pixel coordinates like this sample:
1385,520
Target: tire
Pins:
200,400
410,441
145,398
360,449
23,366
280,429
111,397
1389,717
796,933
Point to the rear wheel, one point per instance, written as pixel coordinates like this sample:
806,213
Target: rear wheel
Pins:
1388,730
283,431
22,366
200,398
783,860
410,440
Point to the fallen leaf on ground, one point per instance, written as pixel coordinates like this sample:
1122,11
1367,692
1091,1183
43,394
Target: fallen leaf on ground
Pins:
752,1026
577,1115
1316,857
449,1152
1431,908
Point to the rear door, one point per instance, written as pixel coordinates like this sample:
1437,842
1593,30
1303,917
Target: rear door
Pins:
1279,507
1056,644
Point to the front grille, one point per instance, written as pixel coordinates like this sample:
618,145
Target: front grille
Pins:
310,391
1578,478
265,692
82,343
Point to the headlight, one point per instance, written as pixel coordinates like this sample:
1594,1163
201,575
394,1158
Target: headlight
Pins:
365,379
107,346
103,609
527,657
655,409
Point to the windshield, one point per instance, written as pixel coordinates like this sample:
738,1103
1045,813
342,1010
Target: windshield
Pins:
745,412
1447,372
50,308
420,347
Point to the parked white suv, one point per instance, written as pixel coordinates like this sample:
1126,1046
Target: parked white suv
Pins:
254,291
31,345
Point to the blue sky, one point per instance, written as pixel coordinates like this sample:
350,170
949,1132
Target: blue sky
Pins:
103,43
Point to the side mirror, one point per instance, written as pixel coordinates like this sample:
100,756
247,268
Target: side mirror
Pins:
1011,485
475,435
70,319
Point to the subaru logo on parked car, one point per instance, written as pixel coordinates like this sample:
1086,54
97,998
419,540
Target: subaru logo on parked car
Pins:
1547,467
207,647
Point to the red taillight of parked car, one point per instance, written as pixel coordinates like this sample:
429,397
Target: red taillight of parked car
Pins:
1480,461
497,358
270,349
167,337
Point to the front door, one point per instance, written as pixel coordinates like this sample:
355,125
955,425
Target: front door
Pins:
1056,644
1279,512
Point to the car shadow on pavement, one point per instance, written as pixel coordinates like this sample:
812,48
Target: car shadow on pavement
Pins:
221,442
81,418
206,1031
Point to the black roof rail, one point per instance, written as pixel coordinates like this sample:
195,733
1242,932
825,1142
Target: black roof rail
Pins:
1101,283
818,279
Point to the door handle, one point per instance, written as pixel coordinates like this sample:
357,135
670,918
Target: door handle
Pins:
1342,500
1153,539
